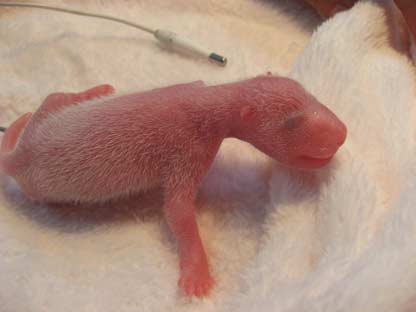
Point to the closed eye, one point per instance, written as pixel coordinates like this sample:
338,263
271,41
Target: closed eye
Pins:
294,121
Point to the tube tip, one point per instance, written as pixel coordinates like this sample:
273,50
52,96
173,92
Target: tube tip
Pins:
219,59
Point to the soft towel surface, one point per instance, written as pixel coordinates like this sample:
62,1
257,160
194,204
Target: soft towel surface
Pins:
341,239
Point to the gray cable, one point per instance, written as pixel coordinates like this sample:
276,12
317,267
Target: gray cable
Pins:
46,7
165,36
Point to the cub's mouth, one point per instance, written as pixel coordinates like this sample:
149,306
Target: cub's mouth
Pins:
310,162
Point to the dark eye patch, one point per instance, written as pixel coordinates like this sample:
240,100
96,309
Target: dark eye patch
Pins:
294,121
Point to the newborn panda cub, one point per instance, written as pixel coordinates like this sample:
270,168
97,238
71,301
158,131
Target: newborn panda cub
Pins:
93,146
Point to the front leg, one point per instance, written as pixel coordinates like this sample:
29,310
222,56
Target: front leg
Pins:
195,278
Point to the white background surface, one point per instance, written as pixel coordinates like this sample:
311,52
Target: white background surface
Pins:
341,239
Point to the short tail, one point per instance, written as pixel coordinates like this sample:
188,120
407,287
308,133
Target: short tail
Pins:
9,141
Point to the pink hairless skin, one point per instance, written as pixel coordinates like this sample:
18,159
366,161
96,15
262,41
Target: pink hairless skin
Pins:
84,147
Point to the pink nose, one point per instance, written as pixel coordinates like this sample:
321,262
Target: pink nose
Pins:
333,136
329,131
342,133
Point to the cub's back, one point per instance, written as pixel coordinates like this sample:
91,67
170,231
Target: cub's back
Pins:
103,149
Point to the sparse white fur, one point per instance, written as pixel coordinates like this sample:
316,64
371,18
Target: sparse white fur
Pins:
342,239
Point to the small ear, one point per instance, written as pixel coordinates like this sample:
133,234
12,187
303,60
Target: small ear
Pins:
247,112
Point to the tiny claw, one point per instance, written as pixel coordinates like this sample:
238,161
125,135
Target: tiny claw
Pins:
189,288
208,285
199,291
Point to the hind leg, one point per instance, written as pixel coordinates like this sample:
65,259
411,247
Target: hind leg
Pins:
56,101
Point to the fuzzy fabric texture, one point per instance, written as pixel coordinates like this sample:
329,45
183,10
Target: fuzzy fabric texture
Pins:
339,239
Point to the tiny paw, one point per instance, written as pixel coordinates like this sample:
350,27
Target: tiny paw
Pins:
196,284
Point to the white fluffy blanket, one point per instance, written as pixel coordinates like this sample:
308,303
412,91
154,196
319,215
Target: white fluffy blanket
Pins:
339,239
